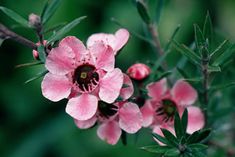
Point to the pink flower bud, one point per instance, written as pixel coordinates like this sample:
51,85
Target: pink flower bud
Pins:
34,20
35,52
138,71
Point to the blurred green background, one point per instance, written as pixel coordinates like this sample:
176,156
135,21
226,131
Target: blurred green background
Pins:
32,126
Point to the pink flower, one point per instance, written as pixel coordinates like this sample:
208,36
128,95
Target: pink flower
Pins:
35,52
160,109
115,117
116,41
138,71
83,75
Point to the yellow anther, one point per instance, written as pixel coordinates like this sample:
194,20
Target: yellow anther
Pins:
83,75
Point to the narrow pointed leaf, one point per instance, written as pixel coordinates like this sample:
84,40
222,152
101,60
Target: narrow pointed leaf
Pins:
170,137
55,27
49,9
13,15
214,69
199,38
172,152
182,73
142,9
184,121
59,34
184,50
198,146
41,74
28,64
193,137
172,37
41,52
160,138
222,86
178,126
208,30
219,51
157,149
159,10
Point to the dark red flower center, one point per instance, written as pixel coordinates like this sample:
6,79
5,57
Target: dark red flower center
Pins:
86,77
167,110
107,110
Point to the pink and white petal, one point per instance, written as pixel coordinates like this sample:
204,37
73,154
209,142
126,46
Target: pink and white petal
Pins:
128,91
130,118
122,36
157,89
103,56
85,124
55,87
110,85
109,132
82,107
148,113
107,39
184,93
157,130
60,60
76,45
196,119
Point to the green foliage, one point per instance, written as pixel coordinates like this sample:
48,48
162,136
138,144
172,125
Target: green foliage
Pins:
143,12
42,53
60,33
49,9
39,75
13,15
182,144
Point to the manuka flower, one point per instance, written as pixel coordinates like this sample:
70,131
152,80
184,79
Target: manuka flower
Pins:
115,117
158,111
116,41
83,75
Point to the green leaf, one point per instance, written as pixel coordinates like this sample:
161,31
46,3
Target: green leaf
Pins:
142,9
55,27
199,38
193,137
13,15
184,50
197,153
199,136
49,9
184,121
156,149
28,64
198,146
1,41
170,137
41,74
41,52
208,30
172,152
60,34
160,138
222,86
182,73
172,38
214,69
178,126
219,51
227,54
159,10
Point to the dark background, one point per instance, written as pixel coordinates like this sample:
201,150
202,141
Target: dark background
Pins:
32,126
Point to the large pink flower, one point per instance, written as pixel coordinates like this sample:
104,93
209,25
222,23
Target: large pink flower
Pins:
115,117
160,109
83,75
116,41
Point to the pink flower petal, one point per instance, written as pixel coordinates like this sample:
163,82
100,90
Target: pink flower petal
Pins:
122,36
128,91
130,118
82,107
110,85
109,132
184,93
55,87
85,124
157,130
157,89
103,55
60,60
196,120
76,45
147,113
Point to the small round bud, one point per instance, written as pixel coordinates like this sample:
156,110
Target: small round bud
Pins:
35,52
34,20
138,71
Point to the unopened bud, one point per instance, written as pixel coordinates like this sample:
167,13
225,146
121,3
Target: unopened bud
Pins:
138,71
34,20
35,52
